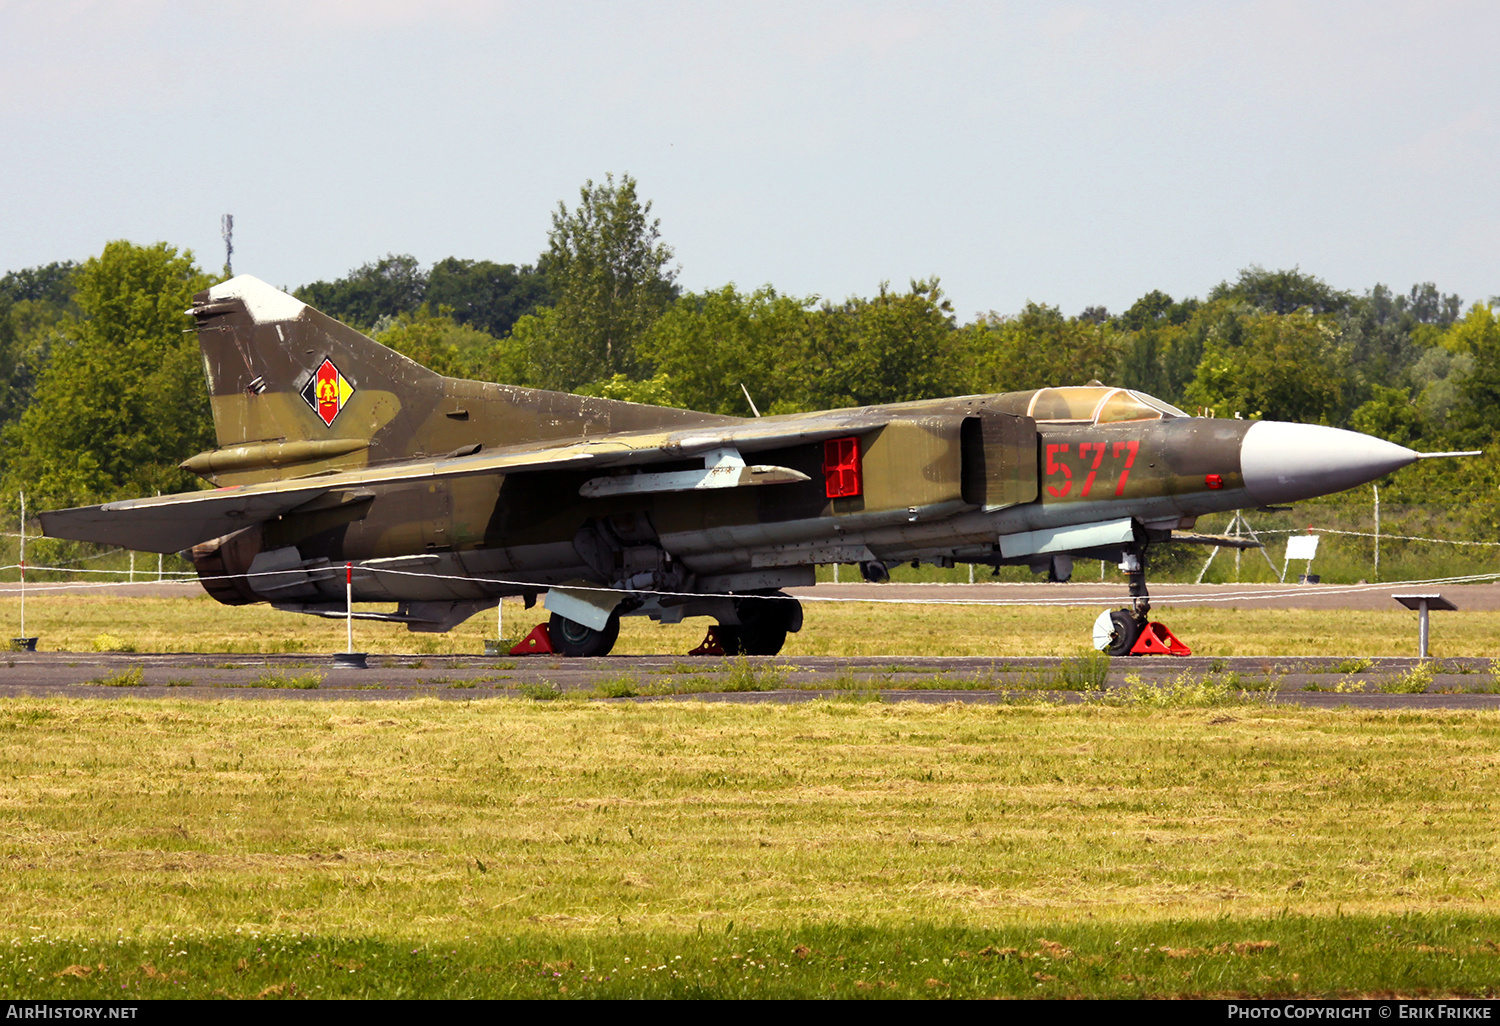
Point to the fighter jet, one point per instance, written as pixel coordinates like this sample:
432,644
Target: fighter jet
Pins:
341,463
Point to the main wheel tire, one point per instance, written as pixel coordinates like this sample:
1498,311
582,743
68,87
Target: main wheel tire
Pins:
729,639
1127,630
572,638
764,623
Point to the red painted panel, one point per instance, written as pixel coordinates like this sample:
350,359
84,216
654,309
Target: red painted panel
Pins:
841,468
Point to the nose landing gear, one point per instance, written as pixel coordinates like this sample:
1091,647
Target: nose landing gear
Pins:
1131,631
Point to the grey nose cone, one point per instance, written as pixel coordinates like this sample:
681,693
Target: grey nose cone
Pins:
1287,462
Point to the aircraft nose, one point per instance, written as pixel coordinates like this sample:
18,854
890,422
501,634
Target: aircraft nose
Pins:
1286,462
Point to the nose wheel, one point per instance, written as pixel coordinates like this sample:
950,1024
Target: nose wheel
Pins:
1122,632
1116,631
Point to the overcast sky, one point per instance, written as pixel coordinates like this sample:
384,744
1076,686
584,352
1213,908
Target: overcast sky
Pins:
1068,153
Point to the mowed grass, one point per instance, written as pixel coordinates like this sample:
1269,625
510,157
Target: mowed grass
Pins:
511,847
86,623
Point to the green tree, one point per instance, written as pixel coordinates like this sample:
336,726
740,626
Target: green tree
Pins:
1156,309
655,391
709,344
33,302
1475,416
607,271
486,295
480,293
1282,292
1435,379
1159,352
52,284
123,399
388,287
1272,366
1389,414
440,343
896,347
1039,348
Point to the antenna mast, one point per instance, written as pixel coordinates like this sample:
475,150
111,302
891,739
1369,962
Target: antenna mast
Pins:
226,229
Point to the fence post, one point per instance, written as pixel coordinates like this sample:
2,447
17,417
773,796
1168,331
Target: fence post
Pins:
349,607
23,564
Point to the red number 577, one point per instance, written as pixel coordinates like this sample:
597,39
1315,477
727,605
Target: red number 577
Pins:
1090,456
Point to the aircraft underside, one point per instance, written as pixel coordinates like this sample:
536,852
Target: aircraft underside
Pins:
618,565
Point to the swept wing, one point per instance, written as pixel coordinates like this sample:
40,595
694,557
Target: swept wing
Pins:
172,523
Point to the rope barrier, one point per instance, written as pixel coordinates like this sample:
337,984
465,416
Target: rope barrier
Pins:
1385,537
85,570
1252,593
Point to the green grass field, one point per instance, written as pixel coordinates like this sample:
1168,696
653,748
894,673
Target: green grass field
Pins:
842,848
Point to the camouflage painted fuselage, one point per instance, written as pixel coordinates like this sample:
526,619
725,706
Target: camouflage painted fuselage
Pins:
444,495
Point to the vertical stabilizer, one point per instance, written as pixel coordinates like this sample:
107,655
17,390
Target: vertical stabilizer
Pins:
291,386
295,392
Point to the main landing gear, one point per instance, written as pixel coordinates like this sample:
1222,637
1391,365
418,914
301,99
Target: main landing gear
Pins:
1131,631
764,623
765,619
571,638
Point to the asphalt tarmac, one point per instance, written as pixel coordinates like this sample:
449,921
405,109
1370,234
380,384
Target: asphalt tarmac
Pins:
1458,684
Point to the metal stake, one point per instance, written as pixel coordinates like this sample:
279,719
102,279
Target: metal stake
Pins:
1237,552
1207,563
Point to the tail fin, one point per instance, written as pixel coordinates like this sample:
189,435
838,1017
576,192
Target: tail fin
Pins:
295,392
291,386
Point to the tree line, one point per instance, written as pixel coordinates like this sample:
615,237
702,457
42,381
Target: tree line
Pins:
101,392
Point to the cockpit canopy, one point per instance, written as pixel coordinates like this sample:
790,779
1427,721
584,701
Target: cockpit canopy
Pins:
1097,404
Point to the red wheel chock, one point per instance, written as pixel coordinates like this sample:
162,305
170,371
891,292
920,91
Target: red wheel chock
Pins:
711,645
538,642
1157,640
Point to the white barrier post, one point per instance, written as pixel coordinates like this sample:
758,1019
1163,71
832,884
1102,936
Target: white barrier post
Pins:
23,565
349,607
349,659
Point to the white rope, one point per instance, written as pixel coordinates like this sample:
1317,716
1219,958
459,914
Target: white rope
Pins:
1265,592
85,570
1393,537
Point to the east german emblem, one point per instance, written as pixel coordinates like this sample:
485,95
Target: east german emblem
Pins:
327,392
